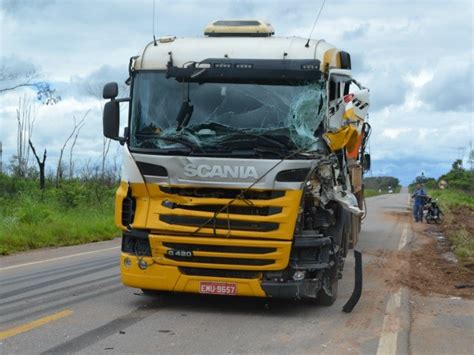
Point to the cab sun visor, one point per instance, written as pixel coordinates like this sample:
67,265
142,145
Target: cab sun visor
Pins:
246,71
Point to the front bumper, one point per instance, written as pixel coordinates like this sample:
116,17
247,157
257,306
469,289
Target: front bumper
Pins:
169,278
292,289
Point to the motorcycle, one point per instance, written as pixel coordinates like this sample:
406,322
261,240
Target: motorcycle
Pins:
431,211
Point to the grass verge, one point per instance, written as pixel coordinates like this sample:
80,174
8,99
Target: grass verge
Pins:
458,225
76,213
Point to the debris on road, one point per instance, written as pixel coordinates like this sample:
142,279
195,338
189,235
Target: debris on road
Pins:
464,285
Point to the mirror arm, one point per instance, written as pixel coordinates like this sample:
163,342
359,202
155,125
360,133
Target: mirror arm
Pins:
123,99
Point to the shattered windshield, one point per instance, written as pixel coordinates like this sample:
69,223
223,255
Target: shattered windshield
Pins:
167,114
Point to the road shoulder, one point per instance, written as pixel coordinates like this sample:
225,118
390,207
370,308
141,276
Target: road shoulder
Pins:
437,307
46,254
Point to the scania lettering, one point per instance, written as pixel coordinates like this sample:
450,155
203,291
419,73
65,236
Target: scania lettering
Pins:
243,157
226,172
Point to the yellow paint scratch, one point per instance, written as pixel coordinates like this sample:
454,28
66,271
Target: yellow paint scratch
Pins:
4,334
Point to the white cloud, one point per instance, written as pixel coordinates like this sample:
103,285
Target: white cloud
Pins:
416,58
394,133
451,86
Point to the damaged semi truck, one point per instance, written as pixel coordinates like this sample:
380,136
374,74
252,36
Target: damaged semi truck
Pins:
243,159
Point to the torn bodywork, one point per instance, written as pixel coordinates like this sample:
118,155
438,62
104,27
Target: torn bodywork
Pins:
322,235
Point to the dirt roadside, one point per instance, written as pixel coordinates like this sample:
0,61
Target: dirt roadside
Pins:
426,265
433,268
442,316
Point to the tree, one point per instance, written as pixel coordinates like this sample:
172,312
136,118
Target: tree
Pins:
381,182
457,165
459,178
12,79
41,164
79,126
25,75
25,116
75,131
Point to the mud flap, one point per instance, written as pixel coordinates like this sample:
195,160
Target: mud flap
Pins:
351,303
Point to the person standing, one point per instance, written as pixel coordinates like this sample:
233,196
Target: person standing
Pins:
419,196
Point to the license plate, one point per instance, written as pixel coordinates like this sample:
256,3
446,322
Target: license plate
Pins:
218,288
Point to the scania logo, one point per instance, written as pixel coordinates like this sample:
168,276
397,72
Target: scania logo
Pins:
220,171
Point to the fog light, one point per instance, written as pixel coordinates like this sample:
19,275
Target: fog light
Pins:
142,264
299,275
127,262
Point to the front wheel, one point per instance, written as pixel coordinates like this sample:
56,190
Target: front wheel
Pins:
328,293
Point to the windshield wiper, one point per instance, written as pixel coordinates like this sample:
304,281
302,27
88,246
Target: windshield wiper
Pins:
217,127
243,139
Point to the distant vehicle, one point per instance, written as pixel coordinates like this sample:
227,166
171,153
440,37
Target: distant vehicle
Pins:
390,190
243,161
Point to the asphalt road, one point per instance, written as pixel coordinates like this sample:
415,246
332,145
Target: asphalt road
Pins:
71,300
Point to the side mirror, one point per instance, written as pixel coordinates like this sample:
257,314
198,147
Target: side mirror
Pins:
110,91
111,119
366,162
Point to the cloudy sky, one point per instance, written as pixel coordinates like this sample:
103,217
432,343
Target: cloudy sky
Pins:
415,56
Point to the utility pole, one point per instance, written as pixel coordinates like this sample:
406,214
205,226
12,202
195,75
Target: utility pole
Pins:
1,158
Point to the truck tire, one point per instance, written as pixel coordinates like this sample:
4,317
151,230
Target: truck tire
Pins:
328,293
341,233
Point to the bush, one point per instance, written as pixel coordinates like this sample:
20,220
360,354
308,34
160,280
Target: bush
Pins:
381,182
459,178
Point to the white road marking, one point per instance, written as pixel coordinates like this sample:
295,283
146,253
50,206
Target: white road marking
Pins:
403,238
58,258
391,321
391,324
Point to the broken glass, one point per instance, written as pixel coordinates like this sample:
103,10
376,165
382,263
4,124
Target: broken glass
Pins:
225,114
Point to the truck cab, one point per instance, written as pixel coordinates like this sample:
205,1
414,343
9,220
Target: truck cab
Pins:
242,164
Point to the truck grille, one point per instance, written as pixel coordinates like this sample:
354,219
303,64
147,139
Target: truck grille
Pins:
232,209
220,253
222,212
222,261
216,223
222,193
236,274
220,248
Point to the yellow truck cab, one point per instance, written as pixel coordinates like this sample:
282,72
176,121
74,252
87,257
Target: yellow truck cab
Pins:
242,164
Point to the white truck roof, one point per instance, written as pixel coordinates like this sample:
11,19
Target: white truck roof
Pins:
196,49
